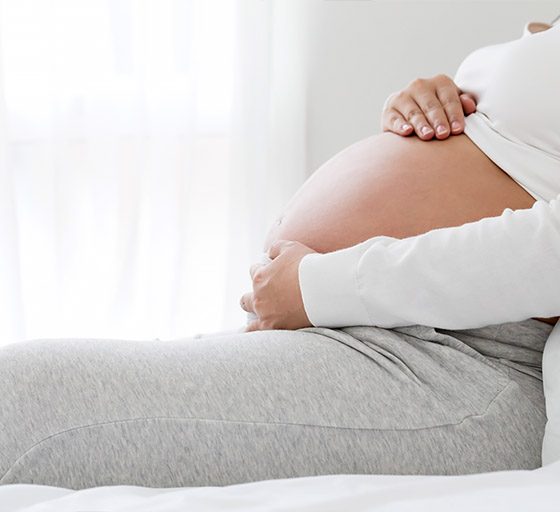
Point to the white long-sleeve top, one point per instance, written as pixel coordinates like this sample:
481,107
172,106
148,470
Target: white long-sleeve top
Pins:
517,120
495,270
498,269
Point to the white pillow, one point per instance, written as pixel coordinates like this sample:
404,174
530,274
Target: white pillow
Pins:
551,385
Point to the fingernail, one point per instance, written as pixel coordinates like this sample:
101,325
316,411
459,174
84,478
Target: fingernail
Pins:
455,126
405,127
426,130
441,129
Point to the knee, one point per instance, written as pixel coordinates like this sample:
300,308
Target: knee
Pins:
38,383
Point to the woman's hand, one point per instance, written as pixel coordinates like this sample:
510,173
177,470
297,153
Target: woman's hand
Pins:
276,297
428,107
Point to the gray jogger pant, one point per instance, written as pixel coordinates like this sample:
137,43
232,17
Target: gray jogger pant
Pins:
231,408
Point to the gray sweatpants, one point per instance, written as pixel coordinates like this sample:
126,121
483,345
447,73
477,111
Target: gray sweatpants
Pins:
224,409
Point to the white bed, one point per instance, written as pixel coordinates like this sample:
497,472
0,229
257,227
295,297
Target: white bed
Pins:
511,491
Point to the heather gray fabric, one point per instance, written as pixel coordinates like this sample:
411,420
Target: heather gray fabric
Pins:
224,409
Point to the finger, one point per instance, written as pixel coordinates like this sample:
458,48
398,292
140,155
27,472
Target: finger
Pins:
468,102
253,326
393,121
246,302
278,247
448,96
412,112
433,110
253,269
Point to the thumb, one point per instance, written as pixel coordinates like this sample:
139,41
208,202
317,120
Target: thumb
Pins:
468,102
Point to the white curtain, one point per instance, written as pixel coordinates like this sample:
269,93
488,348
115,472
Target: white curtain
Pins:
145,148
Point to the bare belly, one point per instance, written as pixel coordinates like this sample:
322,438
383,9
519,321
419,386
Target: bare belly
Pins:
399,187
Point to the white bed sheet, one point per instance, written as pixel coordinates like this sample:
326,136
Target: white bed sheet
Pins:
511,491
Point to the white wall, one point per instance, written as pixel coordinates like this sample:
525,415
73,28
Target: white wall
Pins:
359,51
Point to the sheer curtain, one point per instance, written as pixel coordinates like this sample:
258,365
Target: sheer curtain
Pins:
145,148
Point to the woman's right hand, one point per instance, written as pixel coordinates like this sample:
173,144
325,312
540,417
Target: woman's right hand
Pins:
428,107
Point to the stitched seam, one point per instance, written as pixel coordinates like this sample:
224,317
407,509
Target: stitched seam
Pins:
181,418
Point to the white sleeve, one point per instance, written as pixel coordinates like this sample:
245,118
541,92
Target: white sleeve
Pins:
495,270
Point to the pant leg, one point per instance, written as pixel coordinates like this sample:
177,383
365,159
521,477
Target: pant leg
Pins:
251,406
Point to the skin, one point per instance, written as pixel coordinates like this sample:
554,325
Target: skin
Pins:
428,108
390,184
399,187
276,296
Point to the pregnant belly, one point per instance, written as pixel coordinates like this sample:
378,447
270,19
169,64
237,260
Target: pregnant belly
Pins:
399,187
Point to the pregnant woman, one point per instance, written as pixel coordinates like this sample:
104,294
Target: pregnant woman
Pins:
278,403
508,157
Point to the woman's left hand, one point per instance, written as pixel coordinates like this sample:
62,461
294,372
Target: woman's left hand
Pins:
276,298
